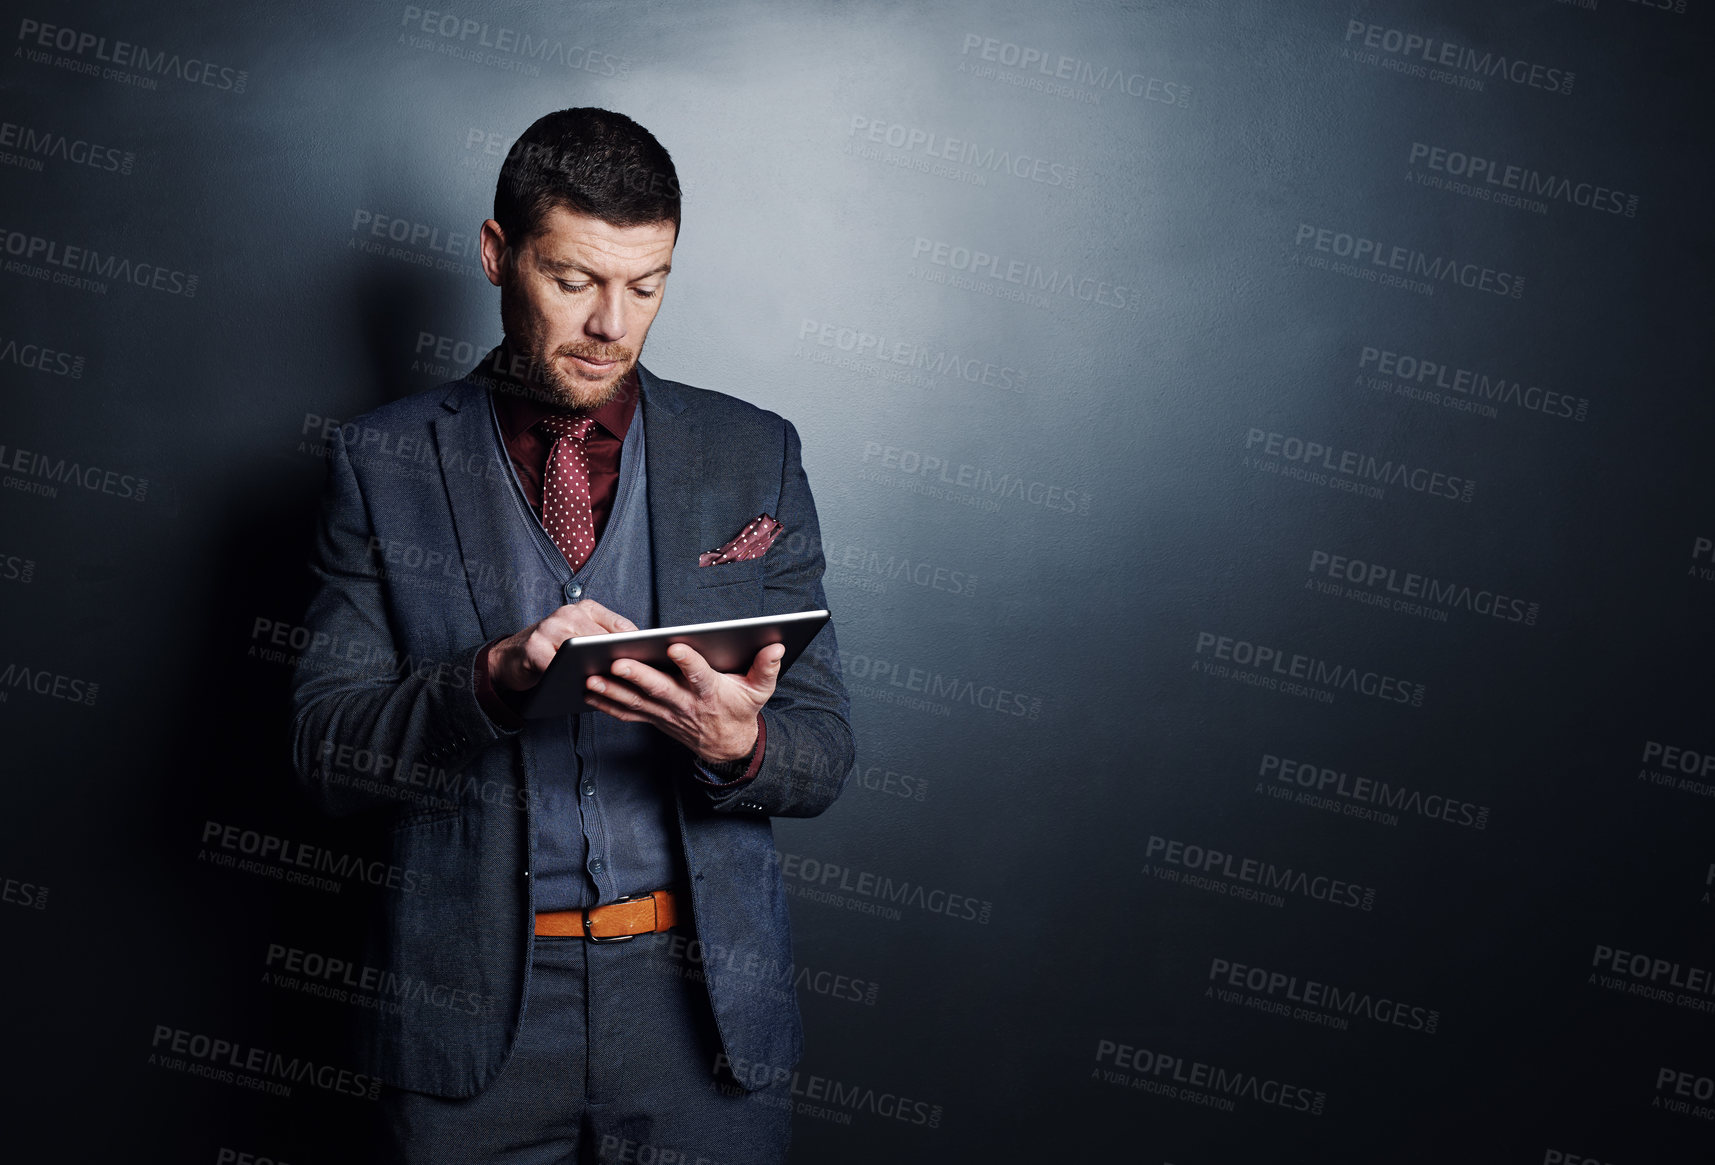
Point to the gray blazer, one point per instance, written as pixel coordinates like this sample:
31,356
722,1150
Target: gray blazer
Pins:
387,678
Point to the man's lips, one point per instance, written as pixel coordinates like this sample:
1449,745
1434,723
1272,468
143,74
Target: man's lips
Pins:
592,362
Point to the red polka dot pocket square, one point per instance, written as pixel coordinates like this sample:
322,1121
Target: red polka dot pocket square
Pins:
751,542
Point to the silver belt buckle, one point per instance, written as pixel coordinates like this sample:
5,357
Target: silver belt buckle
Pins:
612,938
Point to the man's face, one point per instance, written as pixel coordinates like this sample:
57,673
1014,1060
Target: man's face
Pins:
577,298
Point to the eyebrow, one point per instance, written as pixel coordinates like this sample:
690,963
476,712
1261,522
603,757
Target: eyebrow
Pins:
568,265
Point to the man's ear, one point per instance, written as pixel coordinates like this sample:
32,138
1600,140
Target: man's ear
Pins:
497,256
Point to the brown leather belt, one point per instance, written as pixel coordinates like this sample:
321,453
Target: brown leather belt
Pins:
615,922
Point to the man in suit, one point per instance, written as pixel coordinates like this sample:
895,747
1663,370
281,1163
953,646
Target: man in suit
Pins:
562,489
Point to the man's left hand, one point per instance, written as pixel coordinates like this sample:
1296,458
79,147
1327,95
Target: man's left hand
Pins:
709,712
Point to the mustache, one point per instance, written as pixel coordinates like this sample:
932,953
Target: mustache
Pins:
594,350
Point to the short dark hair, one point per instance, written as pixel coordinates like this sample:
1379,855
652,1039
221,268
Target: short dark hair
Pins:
590,161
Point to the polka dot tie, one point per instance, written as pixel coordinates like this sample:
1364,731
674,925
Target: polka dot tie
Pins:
566,492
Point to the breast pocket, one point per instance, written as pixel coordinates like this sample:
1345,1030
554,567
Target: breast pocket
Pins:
730,590
724,574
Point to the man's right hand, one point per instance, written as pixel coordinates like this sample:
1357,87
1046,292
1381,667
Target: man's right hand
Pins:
516,663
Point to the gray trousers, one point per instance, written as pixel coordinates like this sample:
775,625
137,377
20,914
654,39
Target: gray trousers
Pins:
614,1065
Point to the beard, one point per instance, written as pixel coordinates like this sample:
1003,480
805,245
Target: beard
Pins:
576,389
538,364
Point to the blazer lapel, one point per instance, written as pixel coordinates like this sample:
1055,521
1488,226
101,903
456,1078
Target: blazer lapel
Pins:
674,454
479,491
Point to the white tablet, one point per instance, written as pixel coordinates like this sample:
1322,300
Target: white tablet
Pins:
729,645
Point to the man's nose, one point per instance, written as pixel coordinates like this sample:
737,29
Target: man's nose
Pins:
607,321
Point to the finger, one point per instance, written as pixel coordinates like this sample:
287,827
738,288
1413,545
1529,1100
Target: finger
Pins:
765,668
578,625
621,695
657,684
562,625
618,711
539,651
693,666
669,725
602,617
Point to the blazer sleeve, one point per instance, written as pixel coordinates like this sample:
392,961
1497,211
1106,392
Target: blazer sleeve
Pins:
810,753
365,720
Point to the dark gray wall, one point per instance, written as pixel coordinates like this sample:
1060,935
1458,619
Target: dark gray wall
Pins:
1265,476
